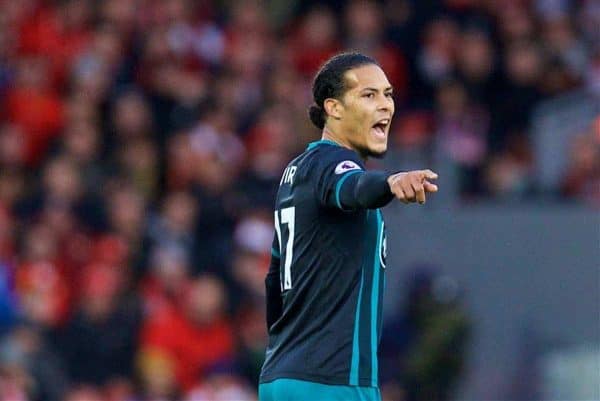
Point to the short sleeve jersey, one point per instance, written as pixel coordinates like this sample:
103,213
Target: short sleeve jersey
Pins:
332,265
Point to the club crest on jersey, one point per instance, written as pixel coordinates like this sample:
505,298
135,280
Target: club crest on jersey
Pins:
346,165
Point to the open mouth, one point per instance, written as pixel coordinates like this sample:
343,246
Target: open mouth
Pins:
380,127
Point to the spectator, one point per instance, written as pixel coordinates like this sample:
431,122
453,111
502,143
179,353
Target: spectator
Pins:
582,177
99,342
34,105
167,277
196,337
461,133
31,365
427,342
175,227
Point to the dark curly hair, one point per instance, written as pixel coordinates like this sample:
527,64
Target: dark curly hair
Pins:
330,83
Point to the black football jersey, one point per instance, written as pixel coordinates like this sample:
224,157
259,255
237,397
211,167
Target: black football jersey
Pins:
332,265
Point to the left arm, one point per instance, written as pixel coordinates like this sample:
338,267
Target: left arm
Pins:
273,287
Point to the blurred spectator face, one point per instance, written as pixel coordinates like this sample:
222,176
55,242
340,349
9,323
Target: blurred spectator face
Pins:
170,268
93,70
14,12
43,293
157,372
75,14
269,142
205,300
120,13
40,244
515,23
248,17
176,11
79,109
592,79
126,212
364,20
437,54
15,358
7,41
181,162
558,34
589,20
231,92
119,389
180,211
111,250
452,100
62,180
12,146
249,270
33,72
413,130
81,141
441,37
139,157
475,56
283,84
585,153
253,239
59,218
84,394
12,186
100,285
508,173
14,382
254,232
252,330
131,116
523,64
156,48
217,150
319,29
248,56
6,236
108,46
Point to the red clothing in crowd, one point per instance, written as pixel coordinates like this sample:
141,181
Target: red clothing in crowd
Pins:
39,114
193,348
46,34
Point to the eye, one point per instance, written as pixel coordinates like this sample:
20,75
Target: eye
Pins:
370,95
390,95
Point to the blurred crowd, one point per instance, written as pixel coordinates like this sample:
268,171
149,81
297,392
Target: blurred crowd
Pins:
142,141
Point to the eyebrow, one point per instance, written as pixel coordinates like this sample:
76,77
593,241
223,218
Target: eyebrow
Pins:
386,89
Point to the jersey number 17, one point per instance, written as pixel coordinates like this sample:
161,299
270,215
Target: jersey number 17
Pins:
288,216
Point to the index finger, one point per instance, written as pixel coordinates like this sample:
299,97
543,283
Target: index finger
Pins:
430,175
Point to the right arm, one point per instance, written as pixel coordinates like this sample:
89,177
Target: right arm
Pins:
358,189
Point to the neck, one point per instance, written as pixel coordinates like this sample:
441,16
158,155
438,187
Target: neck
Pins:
332,135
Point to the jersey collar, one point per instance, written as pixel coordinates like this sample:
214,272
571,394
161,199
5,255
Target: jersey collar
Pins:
314,144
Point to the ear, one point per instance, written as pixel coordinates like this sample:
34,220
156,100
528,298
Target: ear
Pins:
333,108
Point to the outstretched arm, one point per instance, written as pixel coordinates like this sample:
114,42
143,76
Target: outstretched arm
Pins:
374,189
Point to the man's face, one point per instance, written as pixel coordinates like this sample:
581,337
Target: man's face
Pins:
368,107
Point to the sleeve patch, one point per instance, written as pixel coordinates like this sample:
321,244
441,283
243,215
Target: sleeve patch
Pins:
346,165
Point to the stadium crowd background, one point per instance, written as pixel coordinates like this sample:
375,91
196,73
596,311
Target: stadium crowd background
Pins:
142,141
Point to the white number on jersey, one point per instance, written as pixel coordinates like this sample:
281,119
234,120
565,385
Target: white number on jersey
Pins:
288,217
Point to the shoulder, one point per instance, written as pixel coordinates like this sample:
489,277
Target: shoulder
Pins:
337,159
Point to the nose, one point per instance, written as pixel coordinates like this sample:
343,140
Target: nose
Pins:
386,104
